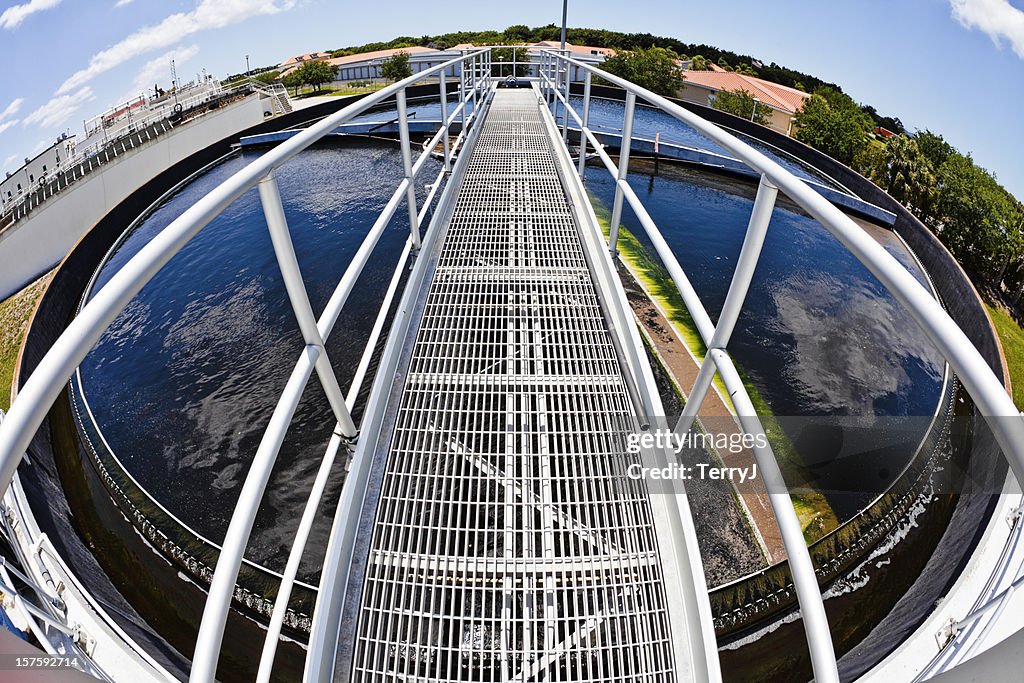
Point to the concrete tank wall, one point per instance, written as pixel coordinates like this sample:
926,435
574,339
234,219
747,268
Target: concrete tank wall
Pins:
35,244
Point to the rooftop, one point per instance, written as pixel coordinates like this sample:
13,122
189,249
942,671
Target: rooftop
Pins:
576,49
774,95
301,59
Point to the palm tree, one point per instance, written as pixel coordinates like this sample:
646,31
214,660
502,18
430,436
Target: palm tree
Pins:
909,176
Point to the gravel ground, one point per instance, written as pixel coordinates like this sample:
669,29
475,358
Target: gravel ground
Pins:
727,545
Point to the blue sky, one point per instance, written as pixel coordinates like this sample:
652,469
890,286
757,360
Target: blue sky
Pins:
954,66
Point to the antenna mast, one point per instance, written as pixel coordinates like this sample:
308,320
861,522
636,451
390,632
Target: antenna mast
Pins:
174,81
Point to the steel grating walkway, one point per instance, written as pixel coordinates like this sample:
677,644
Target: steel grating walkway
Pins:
507,542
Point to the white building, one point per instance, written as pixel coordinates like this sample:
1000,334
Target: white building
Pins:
366,66
35,171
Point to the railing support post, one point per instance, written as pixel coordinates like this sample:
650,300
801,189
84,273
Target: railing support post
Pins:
555,86
565,103
410,190
444,122
552,83
277,224
475,89
584,126
542,74
627,141
546,68
750,252
462,93
805,581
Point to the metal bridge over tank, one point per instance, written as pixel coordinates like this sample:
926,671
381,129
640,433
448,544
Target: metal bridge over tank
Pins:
487,528
508,540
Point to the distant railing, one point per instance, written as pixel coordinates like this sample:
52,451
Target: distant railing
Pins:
81,166
40,608
138,132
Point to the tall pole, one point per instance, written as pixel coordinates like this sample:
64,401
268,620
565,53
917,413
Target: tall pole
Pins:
565,13
247,66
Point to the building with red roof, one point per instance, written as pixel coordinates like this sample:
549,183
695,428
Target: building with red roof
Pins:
702,87
299,60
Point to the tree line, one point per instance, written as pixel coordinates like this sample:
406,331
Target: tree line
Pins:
700,52
978,220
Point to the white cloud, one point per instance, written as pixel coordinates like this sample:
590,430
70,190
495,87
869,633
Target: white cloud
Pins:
12,108
8,160
159,70
998,18
122,3
208,14
13,16
7,124
59,109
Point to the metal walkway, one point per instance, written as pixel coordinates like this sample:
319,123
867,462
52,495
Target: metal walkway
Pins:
508,542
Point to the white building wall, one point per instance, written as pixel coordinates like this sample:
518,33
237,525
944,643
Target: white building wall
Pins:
35,244
30,176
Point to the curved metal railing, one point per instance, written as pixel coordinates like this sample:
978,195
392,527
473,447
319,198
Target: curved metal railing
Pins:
971,369
56,368
473,70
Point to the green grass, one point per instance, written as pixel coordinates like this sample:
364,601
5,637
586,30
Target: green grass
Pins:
1011,336
14,315
817,518
344,91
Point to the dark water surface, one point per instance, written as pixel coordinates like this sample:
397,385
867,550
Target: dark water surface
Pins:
819,335
185,381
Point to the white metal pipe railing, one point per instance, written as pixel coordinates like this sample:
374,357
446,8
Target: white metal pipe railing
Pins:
808,594
335,574
410,188
584,123
967,634
67,353
809,597
627,140
750,252
218,603
974,372
222,586
280,237
444,117
291,568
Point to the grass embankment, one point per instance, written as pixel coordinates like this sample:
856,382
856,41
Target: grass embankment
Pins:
308,91
816,515
1011,336
14,315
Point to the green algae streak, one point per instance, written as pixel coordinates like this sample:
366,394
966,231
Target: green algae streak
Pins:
817,517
